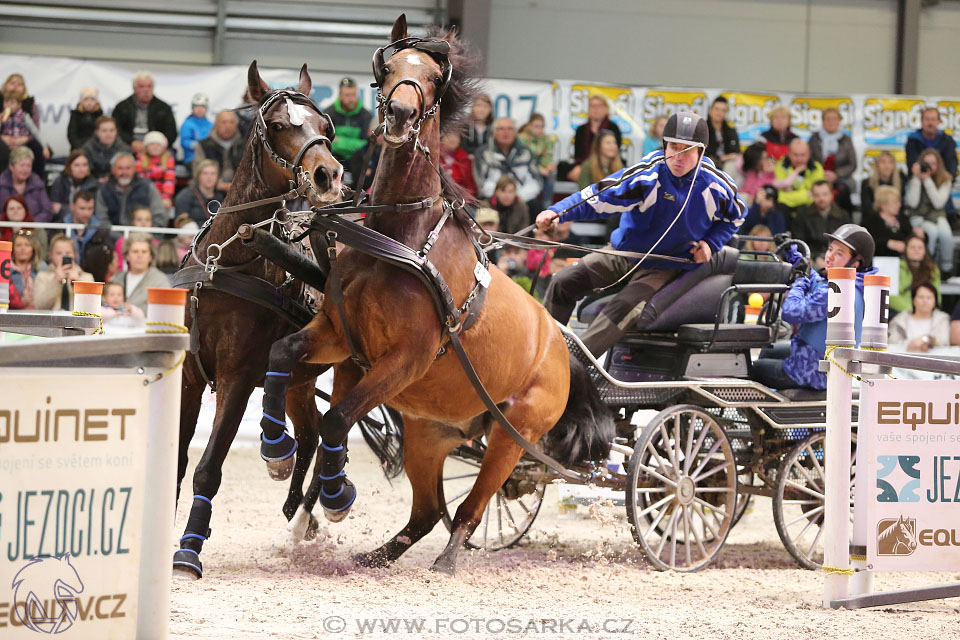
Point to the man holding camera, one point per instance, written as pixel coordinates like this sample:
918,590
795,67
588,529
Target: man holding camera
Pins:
929,136
53,289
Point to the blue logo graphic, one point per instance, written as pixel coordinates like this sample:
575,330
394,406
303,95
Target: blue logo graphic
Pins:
909,485
44,594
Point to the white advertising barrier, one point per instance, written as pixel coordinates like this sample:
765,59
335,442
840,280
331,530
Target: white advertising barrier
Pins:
908,459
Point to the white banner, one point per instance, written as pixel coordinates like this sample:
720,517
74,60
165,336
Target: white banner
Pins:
908,474
73,454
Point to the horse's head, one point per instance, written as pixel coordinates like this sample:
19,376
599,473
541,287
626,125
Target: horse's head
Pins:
906,532
412,75
295,138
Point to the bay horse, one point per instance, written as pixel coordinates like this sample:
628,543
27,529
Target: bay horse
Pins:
233,320
517,349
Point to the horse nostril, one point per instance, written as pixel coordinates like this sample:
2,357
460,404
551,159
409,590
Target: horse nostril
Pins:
323,178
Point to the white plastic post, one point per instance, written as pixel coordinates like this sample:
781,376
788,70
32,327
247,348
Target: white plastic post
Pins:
87,297
841,309
156,570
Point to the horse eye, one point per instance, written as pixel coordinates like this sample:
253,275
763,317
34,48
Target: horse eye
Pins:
438,80
276,126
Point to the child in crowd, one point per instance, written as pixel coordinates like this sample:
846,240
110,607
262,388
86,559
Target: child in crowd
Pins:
117,312
514,212
156,164
534,137
140,217
185,223
456,162
83,119
17,128
196,127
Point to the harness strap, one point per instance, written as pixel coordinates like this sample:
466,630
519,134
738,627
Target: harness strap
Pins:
195,335
336,295
293,194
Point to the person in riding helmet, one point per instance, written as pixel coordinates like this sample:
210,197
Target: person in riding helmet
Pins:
674,202
796,365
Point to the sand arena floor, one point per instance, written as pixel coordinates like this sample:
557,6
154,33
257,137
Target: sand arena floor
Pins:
579,578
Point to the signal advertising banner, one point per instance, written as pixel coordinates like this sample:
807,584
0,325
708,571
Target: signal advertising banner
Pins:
908,474
72,474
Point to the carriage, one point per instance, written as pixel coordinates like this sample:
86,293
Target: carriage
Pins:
718,438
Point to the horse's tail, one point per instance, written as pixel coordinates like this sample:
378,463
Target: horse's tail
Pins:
386,440
586,428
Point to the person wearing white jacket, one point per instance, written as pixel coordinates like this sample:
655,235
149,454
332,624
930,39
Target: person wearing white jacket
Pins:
927,194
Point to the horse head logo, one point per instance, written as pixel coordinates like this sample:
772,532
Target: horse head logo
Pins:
44,593
896,537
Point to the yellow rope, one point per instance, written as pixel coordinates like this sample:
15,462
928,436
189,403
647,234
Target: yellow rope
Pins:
859,558
835,571
85,314
853,375
174,328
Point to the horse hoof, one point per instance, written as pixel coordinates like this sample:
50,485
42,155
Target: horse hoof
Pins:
187,565
300,525
444,568
282,469
182,574
372,560
337,506
312,528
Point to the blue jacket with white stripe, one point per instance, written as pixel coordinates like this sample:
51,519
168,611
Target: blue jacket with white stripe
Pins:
649,196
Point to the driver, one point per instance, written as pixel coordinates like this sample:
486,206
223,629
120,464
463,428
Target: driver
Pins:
675,202
796,365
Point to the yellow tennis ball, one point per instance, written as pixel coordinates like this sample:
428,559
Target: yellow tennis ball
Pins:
755,300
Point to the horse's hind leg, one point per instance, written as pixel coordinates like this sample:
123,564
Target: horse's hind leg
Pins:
302,409
191,398
425,449
232,395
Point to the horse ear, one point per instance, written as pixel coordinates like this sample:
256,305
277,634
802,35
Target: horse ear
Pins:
306,84
451,35
256,87
399,28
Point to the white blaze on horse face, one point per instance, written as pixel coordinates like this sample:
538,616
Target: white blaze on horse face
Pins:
414,58
296,113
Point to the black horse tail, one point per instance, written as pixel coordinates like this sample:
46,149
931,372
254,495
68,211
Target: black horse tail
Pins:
586,428
385,438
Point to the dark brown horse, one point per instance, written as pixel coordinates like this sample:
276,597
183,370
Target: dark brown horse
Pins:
236,334
516,347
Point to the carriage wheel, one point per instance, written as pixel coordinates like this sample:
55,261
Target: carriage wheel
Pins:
510,512
798,499
682,488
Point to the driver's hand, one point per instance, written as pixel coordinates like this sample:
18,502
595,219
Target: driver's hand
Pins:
701,252
546,220
792,255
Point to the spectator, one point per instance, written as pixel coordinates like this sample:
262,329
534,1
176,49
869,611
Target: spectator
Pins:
654,140
224,146
18,129
822,217
75,177
955,325
925,326
758,168
532,135
796,174
764,211
125,191
185,223
476,137
929,136
195,200
759,231
833,149
25,266
927,194
18,179
779,136
83,119
356,165
888,224
724,145
506,156
456,162
16,83
143,112
81,212
513,213
100,260
885,172
16,209
196,127
245,113
103,146
167,260
157,164
138,251
117,312
351,119
139,217
916,267
53,288
598,117
604,159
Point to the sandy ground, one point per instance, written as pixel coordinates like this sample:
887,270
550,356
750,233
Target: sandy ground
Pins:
581,578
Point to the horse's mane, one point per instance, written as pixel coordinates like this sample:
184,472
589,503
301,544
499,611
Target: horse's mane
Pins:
463,88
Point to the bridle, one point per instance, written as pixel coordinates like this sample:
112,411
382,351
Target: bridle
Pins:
439,50
261,130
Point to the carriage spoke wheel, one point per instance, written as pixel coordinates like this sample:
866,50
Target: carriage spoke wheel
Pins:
798,499
682,489
512,509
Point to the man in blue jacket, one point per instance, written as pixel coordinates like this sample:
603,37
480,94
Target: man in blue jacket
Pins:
675,202
805,305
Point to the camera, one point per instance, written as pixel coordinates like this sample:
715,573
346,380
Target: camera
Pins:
67,261
924,167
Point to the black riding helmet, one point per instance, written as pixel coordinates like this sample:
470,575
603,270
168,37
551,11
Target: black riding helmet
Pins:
858,240
686,127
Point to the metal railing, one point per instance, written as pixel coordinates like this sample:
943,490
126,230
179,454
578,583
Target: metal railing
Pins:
123,230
